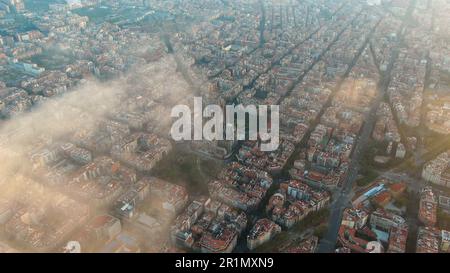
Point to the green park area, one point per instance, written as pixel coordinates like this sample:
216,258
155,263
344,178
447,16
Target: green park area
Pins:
189,170
315,221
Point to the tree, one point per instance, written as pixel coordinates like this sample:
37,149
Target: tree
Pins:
321,230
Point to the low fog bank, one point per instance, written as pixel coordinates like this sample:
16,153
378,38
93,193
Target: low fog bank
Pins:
147,92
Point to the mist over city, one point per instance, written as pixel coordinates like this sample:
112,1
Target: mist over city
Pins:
358,93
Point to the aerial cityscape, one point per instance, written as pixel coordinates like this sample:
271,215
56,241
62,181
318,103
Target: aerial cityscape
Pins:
360,135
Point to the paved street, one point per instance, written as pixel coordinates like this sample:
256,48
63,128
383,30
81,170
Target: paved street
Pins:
328,243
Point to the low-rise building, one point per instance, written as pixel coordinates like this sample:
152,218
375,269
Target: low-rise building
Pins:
427,240
381,219
262,232
397,239
437,171
428,207
445,241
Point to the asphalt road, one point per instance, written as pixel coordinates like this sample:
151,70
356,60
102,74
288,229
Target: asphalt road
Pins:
343,197
328,243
